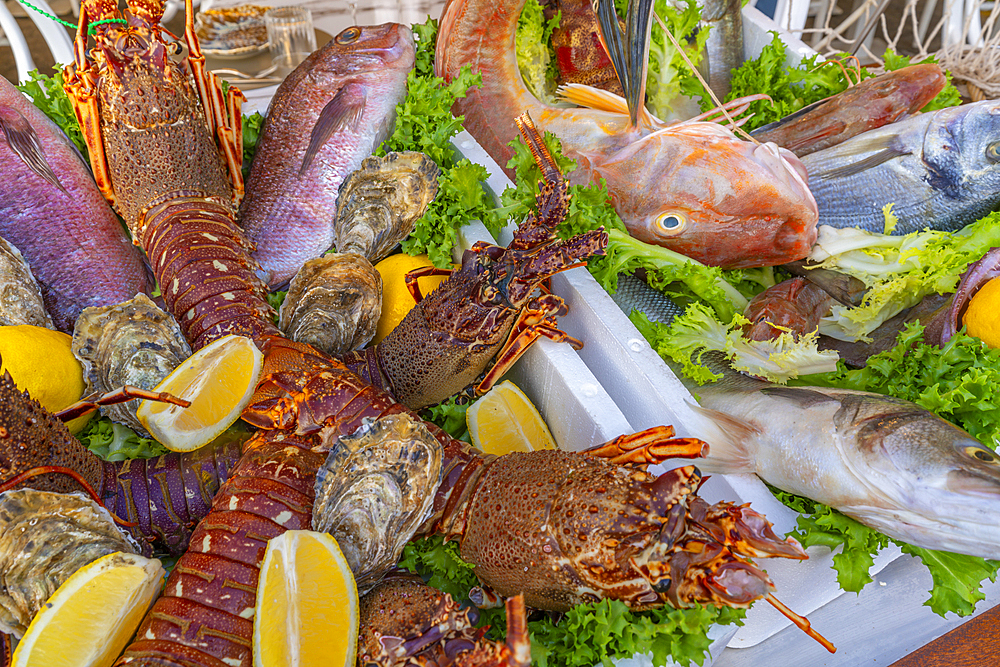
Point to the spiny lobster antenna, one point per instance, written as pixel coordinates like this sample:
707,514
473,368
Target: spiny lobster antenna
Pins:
539,151
801,622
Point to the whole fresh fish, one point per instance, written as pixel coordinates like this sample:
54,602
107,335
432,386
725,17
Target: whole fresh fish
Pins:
874,102
52,211
328,115
692,187
886,462
724,47
939,170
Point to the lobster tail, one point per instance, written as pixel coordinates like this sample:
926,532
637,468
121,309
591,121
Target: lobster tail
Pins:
209,282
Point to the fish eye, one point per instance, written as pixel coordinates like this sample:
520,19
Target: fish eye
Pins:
349,36
671,224
993,152
984,455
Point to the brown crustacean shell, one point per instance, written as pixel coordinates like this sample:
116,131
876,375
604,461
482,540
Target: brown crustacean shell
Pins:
375,489
333,303
44,538
134,343
379,203
20,296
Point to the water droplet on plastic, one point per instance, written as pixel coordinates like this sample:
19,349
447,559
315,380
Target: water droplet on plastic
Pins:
589,390
636,345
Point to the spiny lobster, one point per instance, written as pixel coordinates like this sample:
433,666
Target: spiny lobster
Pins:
163,498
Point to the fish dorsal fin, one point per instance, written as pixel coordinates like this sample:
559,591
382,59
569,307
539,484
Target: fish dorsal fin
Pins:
23,140
873,160
342,112
731,454
631,58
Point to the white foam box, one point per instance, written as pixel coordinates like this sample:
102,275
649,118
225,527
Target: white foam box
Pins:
883,623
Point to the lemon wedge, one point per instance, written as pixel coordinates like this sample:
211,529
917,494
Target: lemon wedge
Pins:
90,618
504,420
219,380
307,604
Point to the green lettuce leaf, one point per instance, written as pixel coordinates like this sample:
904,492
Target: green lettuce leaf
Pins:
115,442
252,126
47,93
450,416
535,56
424,123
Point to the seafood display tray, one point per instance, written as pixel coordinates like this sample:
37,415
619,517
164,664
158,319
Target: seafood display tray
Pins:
886,621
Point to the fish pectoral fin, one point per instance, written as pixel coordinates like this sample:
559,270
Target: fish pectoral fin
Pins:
731,454
592,98
344,111
873,160
23,141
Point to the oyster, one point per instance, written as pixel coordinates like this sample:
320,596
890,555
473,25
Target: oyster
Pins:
134,343
379,203
44,538
333,303
375,489
20,296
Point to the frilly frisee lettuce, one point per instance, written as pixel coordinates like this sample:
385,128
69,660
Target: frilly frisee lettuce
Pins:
898,270
535,56
697,331
588,634
115,442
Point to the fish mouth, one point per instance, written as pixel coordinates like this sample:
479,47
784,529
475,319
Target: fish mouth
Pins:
974,483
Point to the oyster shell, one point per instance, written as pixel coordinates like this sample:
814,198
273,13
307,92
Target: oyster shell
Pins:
44,538
333,303
375,489
134,343
380,202
20,296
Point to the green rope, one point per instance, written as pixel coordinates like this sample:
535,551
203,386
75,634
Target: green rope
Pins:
90,27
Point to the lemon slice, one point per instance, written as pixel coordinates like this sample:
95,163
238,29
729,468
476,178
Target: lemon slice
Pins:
504,420
219,380
90,618
307,604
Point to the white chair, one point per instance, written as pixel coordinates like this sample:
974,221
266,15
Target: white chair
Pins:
53,32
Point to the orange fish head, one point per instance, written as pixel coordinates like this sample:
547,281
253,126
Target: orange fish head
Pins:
714,198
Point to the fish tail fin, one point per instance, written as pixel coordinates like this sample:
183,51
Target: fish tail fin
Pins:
728,452
631,58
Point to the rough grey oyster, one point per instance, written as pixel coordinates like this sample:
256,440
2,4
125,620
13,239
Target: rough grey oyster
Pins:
44,538
134,343
333,303
375,489
380,202
20,296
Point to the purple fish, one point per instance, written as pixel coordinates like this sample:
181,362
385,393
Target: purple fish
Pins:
328,115
52,211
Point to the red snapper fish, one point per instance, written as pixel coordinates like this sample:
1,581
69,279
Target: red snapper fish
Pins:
692,187
52,211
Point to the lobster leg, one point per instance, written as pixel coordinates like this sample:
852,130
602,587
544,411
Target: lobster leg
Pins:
411,278
654,445
120,395
228,132
537,320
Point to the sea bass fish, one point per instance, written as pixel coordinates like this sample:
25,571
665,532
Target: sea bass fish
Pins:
939,170
692,187
327,116
871,104
886,462
52,211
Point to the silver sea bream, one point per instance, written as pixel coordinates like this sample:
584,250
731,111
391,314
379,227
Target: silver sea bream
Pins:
939,170
884,461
